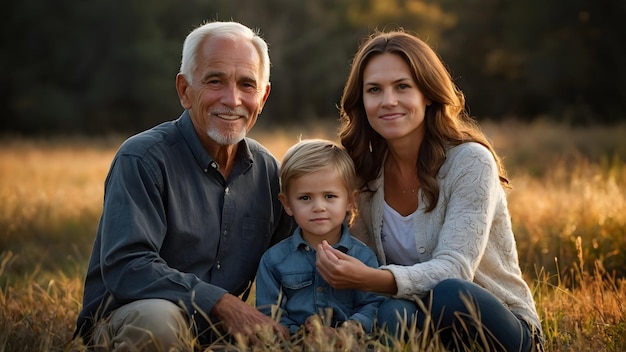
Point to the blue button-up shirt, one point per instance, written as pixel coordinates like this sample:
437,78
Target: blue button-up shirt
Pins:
287,270
173,228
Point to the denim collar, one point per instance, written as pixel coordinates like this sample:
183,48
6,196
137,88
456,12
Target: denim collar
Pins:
343,245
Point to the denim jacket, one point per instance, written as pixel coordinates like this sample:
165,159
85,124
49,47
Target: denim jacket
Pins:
287,271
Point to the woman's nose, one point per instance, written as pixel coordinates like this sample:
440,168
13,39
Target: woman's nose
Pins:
389,98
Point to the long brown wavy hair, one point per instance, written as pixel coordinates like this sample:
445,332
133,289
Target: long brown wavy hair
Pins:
446,120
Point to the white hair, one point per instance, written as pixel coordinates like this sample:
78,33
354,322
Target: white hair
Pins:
231,30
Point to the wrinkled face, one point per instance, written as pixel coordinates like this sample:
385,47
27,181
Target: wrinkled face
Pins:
319,202
394,105
226,93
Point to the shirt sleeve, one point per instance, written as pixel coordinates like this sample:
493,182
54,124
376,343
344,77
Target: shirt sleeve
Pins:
469,195
134,226
366,302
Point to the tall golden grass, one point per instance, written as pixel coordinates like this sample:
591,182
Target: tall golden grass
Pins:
568,206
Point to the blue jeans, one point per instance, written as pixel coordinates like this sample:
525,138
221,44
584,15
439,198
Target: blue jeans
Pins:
487,322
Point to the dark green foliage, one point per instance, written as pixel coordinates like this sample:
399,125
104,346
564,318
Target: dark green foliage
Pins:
69,66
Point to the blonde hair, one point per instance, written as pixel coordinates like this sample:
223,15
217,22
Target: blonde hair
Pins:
311,155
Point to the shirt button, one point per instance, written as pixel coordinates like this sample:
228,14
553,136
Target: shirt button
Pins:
306,248
214,164
226,190
422,250
219,265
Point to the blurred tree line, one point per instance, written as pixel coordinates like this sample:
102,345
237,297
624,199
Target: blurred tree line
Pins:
101,66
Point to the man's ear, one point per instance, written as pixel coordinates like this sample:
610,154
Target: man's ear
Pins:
285,203
182,87
268,88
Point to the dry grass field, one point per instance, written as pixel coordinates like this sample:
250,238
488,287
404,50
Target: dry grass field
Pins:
568,206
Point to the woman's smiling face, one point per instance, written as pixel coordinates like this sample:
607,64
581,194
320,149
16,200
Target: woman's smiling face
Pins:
394,105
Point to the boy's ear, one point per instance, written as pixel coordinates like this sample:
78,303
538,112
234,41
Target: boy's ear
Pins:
352,210
353,198
285,203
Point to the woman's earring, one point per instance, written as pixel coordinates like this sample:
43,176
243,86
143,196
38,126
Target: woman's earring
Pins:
370,146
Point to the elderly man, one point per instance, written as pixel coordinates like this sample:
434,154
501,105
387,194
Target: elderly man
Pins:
189,208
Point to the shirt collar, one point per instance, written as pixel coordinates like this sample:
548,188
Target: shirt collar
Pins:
204,160
343,245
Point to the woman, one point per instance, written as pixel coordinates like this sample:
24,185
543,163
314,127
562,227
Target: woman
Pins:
432,204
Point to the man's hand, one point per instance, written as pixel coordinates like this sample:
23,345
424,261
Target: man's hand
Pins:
243,321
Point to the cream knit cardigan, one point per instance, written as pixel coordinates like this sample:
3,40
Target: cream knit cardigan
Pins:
468,235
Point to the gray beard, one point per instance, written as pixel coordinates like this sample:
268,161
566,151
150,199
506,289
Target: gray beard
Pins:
229,139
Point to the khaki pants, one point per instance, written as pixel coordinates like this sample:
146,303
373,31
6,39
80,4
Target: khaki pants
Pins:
146,325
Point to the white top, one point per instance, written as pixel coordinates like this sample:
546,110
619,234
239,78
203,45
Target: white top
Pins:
398,237
468,234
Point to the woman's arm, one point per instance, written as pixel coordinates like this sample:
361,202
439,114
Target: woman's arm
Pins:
460,226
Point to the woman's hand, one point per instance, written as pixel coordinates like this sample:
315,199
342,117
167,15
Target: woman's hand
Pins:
340,270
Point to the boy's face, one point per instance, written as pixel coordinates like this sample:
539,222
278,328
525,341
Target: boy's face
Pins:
319,203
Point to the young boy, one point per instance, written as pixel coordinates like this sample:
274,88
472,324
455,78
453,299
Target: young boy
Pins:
318,188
